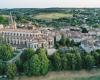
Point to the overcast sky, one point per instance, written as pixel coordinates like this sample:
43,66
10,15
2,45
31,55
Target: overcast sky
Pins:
48,3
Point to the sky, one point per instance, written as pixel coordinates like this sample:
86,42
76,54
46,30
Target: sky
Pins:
49,3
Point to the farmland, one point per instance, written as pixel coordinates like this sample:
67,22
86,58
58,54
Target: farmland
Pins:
52,16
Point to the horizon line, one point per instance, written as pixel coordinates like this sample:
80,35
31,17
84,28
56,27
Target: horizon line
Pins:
51,7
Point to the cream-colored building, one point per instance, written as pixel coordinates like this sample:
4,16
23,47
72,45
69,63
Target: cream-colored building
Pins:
25,38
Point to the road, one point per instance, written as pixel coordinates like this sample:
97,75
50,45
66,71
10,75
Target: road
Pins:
14,59
51,51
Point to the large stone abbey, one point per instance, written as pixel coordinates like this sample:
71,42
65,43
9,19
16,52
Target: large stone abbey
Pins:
26,38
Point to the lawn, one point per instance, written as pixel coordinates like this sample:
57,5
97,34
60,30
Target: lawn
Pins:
66,75
83,78
52,15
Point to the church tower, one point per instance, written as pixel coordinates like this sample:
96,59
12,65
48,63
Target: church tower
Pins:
14,25
12,22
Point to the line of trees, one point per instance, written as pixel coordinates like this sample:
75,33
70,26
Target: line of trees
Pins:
65,42
6,53
39,63
33,62
36,63
73,61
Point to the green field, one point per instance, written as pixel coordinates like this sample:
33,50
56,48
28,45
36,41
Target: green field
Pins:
83,78
63,78
3,19
66,75
52,15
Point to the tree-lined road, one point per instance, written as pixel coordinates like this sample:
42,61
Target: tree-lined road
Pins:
14,59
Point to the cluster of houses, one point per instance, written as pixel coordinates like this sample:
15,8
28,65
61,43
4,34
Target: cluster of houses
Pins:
44,37
89,41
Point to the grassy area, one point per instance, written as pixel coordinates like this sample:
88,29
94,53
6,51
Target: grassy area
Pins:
66,75
64,78
52,15
3,19
83,78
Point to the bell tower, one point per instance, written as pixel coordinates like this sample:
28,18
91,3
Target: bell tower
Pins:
12,22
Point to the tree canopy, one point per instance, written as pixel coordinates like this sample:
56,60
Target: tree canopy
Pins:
11,71
6,52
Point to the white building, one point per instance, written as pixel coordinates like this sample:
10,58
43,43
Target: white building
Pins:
87,45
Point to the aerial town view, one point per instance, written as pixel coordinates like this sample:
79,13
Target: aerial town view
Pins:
49,40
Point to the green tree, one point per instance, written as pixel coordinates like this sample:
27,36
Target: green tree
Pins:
33,66
6,52
38,64
72,43
89,61
96,26
2,68
27,54
19,66
56,60
64,62
44,61
11,71
27,68
69,61
62,41
72,61
68,42
97,58
78,61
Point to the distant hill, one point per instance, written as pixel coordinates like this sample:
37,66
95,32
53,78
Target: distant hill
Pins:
55,17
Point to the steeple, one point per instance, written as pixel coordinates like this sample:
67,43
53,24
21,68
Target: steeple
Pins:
12,22
10,19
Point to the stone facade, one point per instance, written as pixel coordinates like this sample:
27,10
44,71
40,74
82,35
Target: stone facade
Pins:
27,38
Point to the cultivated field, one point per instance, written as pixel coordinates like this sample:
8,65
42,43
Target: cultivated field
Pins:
68,75
52,15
